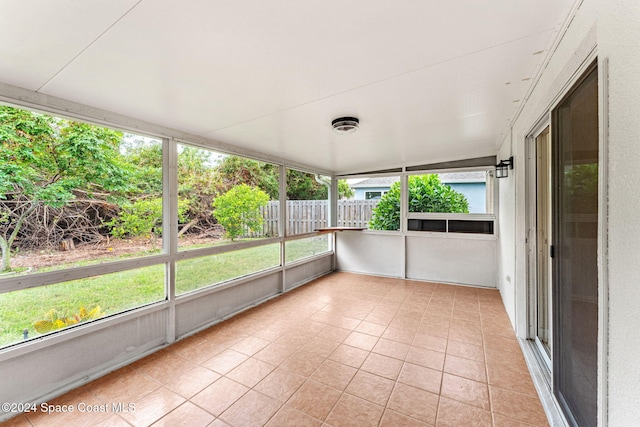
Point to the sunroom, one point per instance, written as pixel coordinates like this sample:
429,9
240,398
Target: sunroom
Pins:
140,138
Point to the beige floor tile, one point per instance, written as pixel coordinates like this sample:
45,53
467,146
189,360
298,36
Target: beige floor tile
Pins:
466,368
280,384
193,381
370,328
345,349
361,341
152,407
250,372
334,374
290,417
414,402
452,413
392,418
349,355
521,407
303,363
430,342
371,387
250,345
351,411
465,350
217,397
225,361
252,409
186,415
383,366
315,399
395,349
421,377
465,390
425,357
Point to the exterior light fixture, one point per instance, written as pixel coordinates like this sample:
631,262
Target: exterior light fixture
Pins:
502,168
345,125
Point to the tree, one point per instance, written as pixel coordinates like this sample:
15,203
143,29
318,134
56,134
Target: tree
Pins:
198,185
234,170
238,210
426,194
145,154
44,160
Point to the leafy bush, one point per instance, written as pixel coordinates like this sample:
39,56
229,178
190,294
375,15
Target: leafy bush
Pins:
426,194
142,218
386,214
238,210
53,320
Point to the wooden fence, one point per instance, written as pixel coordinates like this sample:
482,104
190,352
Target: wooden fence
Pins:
305,216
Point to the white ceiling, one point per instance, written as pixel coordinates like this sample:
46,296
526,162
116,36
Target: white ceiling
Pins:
430,80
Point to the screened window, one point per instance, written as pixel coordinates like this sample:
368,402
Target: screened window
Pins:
224,199
307,202
197,273
304,248
73,193
34,312
454,192
376,205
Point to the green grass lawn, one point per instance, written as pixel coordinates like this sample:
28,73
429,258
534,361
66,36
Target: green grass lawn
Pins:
117,292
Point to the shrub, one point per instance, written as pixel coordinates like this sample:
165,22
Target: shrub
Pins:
53,320
426,194
142,218
238,210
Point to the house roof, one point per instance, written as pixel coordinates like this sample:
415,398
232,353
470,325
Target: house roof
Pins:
385,181
429,80
447,178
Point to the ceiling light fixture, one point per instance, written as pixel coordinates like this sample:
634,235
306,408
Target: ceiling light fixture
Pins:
345,125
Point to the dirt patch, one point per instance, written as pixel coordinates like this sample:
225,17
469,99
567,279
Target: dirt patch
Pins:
107,249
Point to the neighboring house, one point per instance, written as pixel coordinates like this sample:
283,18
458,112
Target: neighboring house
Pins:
373,188
471,184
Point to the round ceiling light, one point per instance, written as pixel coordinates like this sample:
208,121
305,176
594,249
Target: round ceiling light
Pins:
345,125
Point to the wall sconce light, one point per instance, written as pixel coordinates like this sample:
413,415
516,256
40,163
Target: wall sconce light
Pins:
502,168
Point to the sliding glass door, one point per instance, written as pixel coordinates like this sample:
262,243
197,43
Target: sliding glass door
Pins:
575,239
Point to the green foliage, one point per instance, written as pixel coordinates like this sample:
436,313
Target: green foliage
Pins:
47,160
238,210
142,218
53,320
197,181
386,214
581,181
426,194
303,186
344,191
234,170
146,155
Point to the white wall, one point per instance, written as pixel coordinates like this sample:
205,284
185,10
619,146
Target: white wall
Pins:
619,41
462,259
465,260
610,29
370,253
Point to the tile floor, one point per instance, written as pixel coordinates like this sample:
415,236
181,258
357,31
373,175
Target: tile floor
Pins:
344,350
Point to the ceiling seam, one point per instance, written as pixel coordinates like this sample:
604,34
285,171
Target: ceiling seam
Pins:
88,46
406,73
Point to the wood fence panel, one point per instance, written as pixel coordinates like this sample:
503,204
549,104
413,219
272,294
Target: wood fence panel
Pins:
305,216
